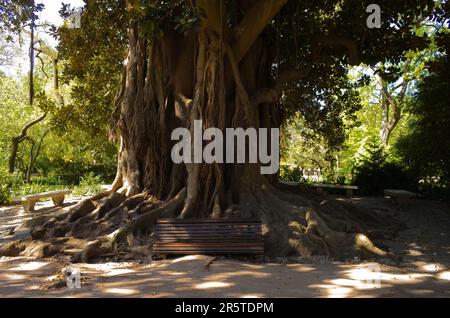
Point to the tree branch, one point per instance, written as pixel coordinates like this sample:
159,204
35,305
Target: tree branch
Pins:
31,123
214,11
251,26
346,42
271,95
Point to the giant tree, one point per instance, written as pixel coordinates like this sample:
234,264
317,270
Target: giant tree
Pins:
230,64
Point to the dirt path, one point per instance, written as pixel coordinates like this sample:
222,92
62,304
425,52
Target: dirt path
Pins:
190,277
424,272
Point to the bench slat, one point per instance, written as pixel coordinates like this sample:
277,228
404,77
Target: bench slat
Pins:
210,236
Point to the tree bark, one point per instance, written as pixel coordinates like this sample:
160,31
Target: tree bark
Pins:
31,56
16,140
214,75
389,103
210,75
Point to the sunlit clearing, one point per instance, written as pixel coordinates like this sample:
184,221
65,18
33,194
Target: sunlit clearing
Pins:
301,268
414,253
119,271
121,291
15,276
366,275
338,292
30,266
169,273
212,285
349,283
444,275
431,267
108,267
251,296
186,258
53,277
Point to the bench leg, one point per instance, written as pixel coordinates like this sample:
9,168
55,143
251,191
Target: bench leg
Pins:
58,201
350,193
28,206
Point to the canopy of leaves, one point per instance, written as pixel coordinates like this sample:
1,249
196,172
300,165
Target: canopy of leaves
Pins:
426,146
17,14
92,58
305,35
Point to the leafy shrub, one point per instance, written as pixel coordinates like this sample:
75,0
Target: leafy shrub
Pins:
425,148
8,184
287,173
372,173
90,184
341,179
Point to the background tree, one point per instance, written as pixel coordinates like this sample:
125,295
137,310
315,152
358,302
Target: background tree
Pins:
425,147
17,16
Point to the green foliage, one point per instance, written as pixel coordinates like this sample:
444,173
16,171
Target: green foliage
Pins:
64,156
425,147
157,17
289,173
9,184
16,14
327,102
373,172
89,185
12,185
91,58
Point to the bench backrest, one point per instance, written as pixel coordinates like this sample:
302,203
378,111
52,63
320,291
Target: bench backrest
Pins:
210,236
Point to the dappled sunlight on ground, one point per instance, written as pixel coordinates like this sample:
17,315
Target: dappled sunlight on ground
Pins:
209,285
444,276
203,276
121,291
424,272
374,280
11,217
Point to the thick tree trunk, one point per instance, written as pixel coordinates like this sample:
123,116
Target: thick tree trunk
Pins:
172,81
205,75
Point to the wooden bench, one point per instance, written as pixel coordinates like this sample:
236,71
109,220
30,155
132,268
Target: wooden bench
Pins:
28,201
208,236
349,188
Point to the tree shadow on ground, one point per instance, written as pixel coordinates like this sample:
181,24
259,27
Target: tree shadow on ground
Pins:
197,276
424,272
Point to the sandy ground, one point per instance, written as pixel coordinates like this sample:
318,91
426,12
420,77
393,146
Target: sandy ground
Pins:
424,273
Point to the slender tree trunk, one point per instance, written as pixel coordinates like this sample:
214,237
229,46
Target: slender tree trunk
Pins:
31,57
388,103
34,153
16,140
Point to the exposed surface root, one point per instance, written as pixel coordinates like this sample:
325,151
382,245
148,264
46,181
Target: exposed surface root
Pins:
123,227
